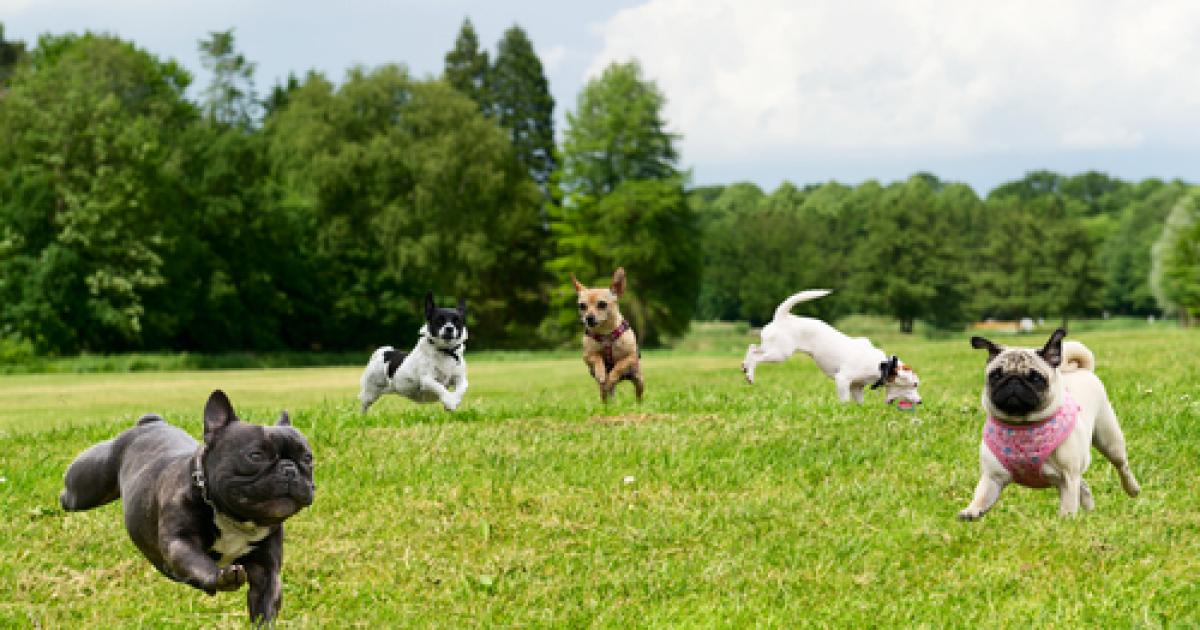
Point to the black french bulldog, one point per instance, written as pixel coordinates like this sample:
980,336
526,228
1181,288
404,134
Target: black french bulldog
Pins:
206,515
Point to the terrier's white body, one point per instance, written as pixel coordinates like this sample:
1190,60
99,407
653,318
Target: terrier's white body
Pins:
430,373
852,362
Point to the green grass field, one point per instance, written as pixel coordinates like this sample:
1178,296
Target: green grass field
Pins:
713,504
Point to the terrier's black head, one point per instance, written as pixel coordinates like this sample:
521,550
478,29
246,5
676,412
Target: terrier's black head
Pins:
447,326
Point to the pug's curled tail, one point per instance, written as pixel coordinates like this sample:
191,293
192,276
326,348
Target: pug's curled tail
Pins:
786,306
1076,356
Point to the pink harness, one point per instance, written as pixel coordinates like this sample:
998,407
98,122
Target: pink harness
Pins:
1024,447
607,341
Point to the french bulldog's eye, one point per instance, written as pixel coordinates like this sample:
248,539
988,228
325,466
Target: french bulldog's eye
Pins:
257,456
602,305
582,306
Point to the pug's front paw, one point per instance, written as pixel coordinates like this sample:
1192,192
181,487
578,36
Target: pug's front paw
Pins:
970,514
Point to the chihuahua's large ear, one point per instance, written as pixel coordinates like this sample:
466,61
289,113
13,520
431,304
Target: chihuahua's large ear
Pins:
1052,351
578,287
218,414
284,420
430,307
462,308
980,343
618,283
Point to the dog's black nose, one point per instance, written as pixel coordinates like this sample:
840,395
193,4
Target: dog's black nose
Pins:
591,320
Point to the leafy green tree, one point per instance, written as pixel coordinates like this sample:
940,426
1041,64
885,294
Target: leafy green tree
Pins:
1176,270
617,134
623,205
11,53
467,68
412,189
1126,253
90,153
911,265
520,101
229,97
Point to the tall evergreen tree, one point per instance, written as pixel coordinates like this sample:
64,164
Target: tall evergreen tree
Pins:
10,53
229,98
467,67
521,102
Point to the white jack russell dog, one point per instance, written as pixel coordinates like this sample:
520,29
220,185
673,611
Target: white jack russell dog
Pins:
852,362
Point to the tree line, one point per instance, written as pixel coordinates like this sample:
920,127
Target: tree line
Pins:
314,215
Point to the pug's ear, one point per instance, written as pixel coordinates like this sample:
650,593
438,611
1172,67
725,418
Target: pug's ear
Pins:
1052,351
578,286
980,343
284,420
218,414
618,282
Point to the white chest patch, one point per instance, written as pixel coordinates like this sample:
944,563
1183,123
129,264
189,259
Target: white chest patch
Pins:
235,539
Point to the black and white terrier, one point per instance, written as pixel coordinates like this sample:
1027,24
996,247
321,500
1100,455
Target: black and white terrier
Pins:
435,370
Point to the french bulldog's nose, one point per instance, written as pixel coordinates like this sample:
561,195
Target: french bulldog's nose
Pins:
289,470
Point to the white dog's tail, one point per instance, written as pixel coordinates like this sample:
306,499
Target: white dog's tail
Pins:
1076,356
803,296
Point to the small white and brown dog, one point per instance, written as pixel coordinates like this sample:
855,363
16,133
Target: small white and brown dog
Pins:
852,362
435,370
1046,409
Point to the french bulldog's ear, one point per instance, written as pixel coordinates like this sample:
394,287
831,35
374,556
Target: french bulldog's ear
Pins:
218,414
284,420
429,305
618,282
979,343
578,287
1052,351
893,367
462,308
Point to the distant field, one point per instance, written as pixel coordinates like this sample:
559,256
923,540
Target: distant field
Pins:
712,504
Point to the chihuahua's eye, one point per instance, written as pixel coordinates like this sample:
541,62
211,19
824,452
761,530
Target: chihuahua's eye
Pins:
602,305
582,306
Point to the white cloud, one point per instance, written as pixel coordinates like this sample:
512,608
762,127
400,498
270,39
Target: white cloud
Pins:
552,58
748,78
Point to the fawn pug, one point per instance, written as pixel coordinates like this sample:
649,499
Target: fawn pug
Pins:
1046,409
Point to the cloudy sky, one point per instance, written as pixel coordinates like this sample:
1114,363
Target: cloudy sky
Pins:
768,90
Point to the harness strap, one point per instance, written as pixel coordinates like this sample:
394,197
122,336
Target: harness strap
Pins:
607,341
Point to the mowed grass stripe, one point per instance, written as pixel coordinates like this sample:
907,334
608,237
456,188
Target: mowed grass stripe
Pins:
712,504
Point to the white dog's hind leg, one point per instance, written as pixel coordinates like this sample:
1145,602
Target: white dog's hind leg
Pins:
857,392
1109,440
986,493
368,396
761,354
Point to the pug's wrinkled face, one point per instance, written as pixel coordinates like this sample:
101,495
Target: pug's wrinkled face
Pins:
1022,384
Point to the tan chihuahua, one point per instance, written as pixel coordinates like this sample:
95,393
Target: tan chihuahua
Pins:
610,347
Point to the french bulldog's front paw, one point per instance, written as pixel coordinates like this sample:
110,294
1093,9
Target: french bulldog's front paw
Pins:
970,514
230,578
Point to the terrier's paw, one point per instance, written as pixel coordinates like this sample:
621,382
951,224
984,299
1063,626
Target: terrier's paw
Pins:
230,578
451,403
